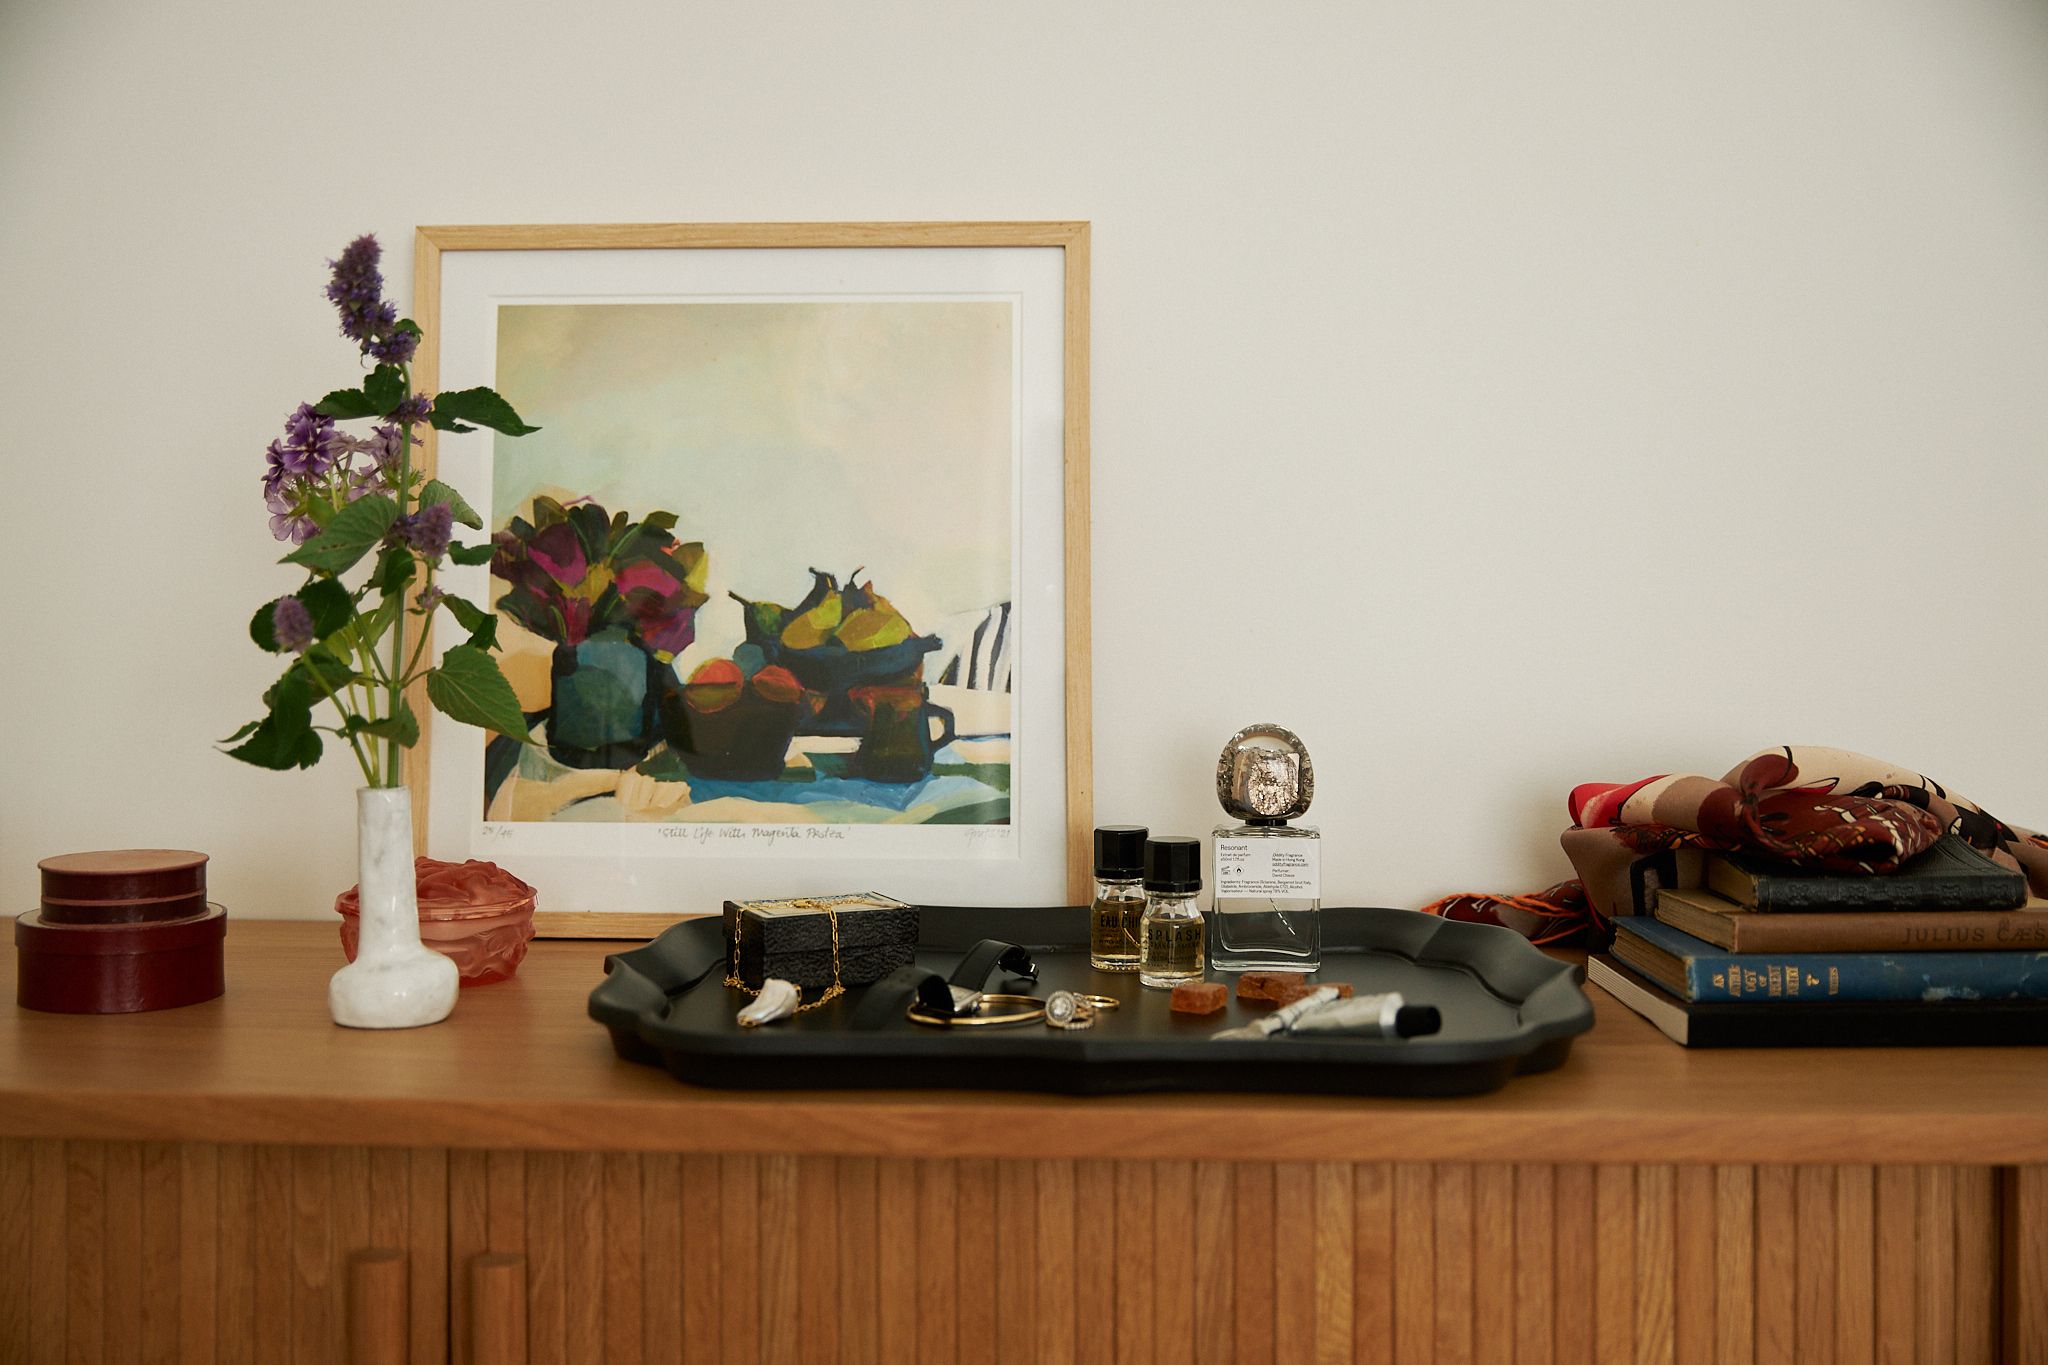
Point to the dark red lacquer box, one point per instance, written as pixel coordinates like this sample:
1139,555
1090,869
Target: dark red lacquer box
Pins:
119,931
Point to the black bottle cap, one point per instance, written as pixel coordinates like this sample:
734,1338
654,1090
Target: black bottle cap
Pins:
1173,865
1417,1021
1120,851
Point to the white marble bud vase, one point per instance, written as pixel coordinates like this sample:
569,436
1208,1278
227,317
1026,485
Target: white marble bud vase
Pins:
395,981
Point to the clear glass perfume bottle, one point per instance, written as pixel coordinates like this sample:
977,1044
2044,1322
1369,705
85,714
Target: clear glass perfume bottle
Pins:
1119,906
1268,878
1170,934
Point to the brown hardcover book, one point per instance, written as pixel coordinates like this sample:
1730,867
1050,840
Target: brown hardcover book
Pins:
1741,929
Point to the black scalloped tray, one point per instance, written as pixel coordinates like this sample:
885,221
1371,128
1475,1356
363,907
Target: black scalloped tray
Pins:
1508,1010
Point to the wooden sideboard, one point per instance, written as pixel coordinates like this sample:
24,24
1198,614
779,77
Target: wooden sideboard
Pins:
242,1181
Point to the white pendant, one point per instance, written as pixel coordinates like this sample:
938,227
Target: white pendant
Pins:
396,981
777,1000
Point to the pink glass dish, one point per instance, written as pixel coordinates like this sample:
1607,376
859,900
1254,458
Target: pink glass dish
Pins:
475,913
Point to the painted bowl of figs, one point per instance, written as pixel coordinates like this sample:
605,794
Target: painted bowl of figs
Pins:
834,640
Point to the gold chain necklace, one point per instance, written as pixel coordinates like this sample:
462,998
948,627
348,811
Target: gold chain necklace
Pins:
833,991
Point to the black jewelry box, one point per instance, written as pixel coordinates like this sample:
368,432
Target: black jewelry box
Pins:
793,939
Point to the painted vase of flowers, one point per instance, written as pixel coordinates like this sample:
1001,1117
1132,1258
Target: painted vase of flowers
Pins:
369,530
618,598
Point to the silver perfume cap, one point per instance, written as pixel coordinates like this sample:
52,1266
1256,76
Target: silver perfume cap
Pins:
1264,774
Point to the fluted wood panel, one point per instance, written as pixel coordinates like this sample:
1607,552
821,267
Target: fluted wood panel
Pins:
159,1252
800,1259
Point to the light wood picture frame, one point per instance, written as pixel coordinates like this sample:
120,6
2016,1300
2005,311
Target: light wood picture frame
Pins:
1035,276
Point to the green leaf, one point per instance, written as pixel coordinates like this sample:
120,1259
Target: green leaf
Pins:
347,403
471,554
408,325
481,625
403,727
309,679
395,569
325,600
263,630
243,733
273,746
467,614
330,605
385,388
481,406
285,738
290,699
436,491
468,687
442,422
348,537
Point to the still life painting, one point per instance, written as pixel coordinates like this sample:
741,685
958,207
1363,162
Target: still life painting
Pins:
756,567
789,579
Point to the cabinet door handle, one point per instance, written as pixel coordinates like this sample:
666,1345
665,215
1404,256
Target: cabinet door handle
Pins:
376,1307
497,1309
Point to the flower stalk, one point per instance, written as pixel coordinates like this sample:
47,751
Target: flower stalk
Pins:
366,525
392,761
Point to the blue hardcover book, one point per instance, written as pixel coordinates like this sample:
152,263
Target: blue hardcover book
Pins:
1694,969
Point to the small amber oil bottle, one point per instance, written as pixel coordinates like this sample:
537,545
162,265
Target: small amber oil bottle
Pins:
1119,898
1170,934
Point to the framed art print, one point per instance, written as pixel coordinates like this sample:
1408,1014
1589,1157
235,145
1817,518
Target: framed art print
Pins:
792,579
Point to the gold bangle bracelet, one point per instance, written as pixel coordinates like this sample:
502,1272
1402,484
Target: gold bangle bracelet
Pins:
1021,1009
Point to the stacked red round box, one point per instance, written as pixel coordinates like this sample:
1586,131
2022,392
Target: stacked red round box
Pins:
119,931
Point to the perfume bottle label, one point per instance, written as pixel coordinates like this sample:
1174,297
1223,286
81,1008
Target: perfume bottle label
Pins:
1172,939
1269,868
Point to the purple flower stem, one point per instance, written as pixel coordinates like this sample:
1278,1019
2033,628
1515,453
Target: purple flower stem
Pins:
399,667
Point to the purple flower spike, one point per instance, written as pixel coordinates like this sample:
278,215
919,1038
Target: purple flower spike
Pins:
292,624
394,347
357,290
414,408
428,530
390,440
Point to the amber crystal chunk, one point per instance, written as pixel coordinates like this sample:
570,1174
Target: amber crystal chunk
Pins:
1266,985
1199,997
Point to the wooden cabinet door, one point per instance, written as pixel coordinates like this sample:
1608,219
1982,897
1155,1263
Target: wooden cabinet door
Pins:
196,1252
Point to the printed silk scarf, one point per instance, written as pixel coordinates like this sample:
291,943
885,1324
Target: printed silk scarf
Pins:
1826,809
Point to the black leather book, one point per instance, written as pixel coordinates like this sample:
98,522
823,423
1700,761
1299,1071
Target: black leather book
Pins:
1832,1023
1949,876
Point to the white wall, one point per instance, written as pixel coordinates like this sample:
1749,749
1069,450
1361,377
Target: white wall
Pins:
1502,395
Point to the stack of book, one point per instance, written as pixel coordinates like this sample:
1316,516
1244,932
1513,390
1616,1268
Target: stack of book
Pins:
1949,949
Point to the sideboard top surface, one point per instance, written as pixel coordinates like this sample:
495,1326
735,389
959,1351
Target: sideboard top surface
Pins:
520,1065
